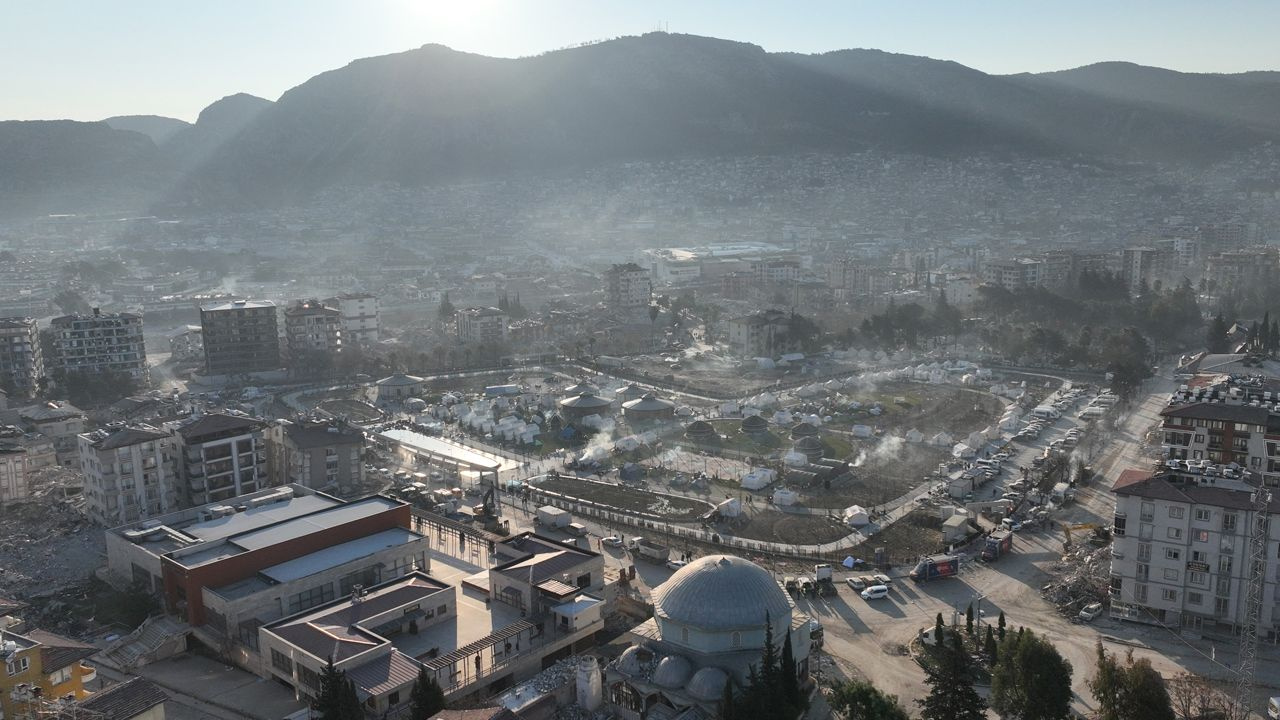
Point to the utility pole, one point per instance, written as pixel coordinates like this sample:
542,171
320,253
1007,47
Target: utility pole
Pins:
1256,569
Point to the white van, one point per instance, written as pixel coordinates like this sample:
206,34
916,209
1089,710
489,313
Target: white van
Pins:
1046,412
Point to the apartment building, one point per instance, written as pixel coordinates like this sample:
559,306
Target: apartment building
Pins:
762,334
322,454
40,669
482,325
361,321
1014,273
21,453
130,473
21,359
100,344
312,331
59,421
628,287
1181,553
1241,268
1146,264
1225,424
221,456
241,336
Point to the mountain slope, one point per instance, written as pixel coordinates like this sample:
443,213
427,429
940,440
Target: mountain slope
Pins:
1251,99
156,127
217,124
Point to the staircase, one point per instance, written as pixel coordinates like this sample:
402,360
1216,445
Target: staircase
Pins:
158,637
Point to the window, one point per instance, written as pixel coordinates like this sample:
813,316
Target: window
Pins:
735,640
1176,512
1119,525
19,665
1202,515
1144,552
310,598
1199,556
1201,535
684,635
309,677
1140,593
1170,595
249,635
1148,512
1174,533
364,578
281,662
584,581
1172,554
1229,522
443,609
60,676
1224,565
394,698
1170,574
1197,578
1195,598
1220,606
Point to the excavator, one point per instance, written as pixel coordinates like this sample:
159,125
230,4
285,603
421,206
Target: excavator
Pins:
1100,534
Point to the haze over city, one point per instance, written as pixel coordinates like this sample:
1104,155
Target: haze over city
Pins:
617,361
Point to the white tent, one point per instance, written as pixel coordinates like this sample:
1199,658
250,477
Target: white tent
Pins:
914,436
783,497
942,439
759,478
795,459
862,431
962,450
856,516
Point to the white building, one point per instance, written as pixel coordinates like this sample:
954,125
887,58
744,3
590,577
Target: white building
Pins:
628,287
361,322
1181,550
1014,274
482,325
129,474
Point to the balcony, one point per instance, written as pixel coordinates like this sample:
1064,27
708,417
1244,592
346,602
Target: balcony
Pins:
88,673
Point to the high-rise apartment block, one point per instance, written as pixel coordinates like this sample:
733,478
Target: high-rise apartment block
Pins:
311,329
240,337
220,456
360,317
629,287
21,360
482,325
129,473
100,344
325,455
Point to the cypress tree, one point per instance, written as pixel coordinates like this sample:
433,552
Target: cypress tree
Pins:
939,631
951,694
968,620
790,684
989,645
1000,625
427,697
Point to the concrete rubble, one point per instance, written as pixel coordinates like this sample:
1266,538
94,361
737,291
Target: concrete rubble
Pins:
1082,576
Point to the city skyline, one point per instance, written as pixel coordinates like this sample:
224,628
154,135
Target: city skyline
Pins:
175,59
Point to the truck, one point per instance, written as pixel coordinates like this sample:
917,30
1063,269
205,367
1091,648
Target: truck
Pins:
1063,493
576,529
998,543
934,567
647,550
824,579
552,517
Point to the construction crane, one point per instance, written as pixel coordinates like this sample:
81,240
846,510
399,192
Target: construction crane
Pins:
1257,572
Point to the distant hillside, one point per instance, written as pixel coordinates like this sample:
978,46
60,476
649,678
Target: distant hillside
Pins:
434,114
1251,99
66,166
156,127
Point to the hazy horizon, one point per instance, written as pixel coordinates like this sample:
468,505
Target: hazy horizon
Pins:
153,58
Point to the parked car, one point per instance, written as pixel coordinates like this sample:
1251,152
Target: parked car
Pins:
611,541
676,564
1090,611
875,592
882,579
856,583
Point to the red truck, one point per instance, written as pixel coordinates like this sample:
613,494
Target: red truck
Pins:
999,542
934,567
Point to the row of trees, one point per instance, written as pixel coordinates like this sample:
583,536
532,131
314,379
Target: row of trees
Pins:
337,699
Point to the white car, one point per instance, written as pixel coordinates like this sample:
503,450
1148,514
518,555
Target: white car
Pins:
1090,611
856,583
875,592
676,564
611,541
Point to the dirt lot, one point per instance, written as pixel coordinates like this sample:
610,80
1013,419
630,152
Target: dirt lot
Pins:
880,473
345,407
627,498
778,526
927,408
918,533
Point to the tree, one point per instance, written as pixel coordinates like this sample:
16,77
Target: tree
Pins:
1216,335
427,697
939,631
1031,681
71,302
447,310
968,620
727,701
788,682
1132,691
1000,625
951,694
1105,685
860,700
989,645
1192,697
337,694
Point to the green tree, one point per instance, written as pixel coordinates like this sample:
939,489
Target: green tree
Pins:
427,697
1216,335
860,700
1105,685
1031,681
336,696
446,310
939,631
951,694
1129,691
788,680
989,645
1000,625
968,620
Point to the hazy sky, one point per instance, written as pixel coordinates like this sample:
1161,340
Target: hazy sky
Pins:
91,59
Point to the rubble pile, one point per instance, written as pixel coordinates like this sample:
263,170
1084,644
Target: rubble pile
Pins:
46,547
1083,576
